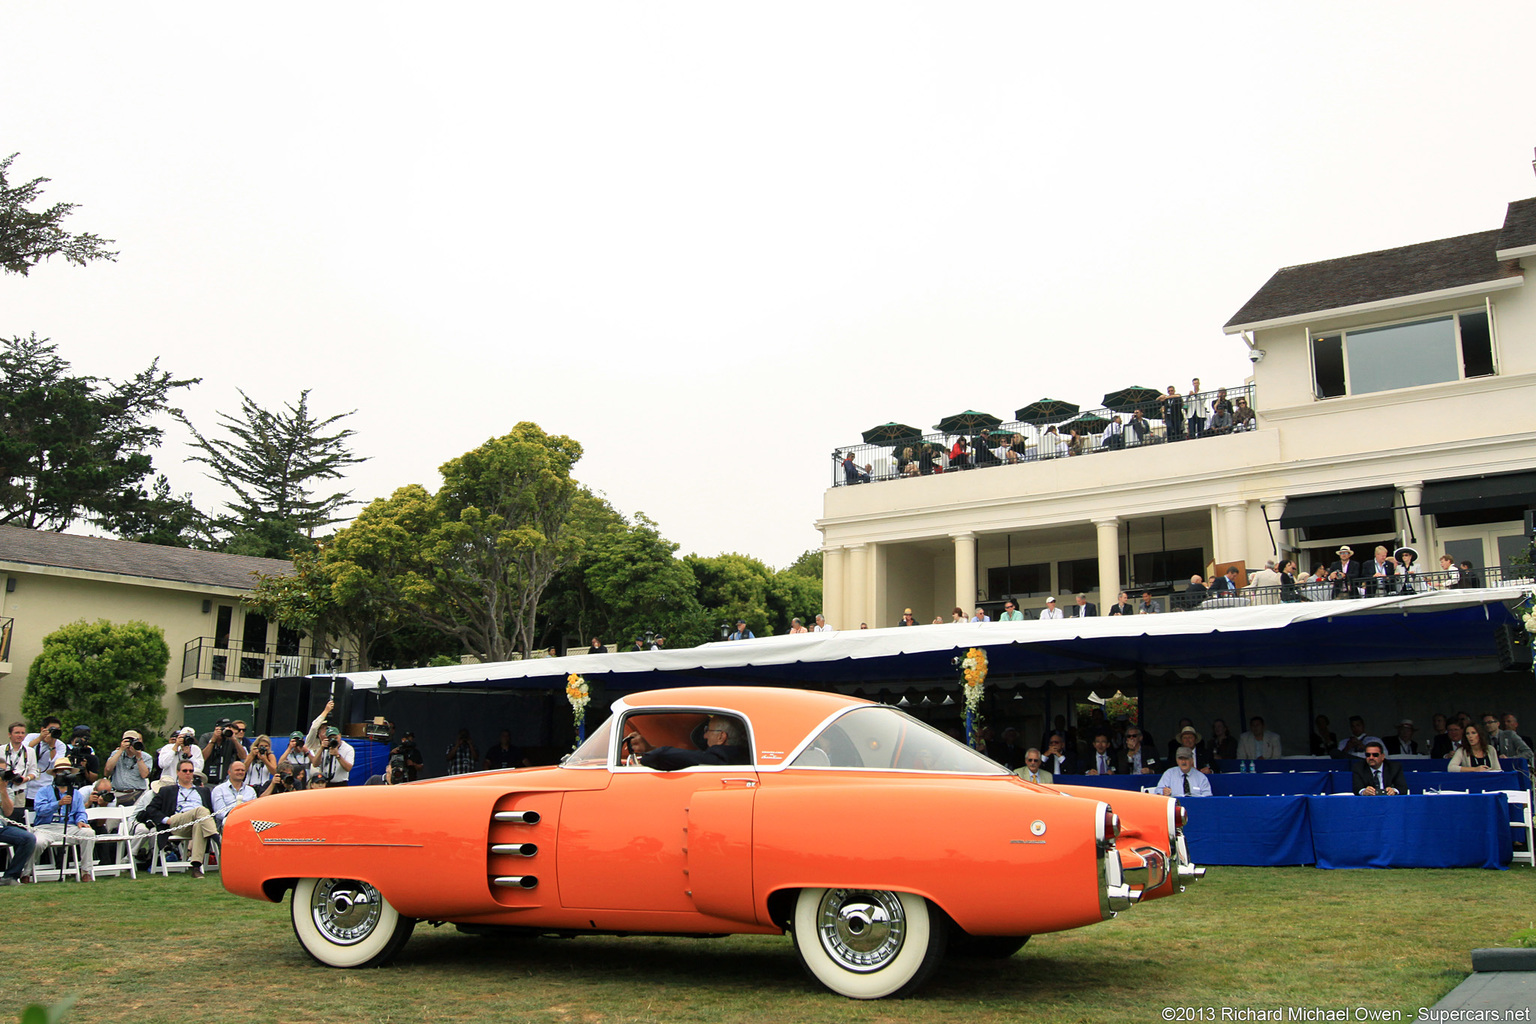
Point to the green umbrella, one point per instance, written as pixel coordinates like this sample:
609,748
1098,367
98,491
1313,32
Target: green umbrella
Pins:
892,434
1087,423
1128,399
1047,410
968,422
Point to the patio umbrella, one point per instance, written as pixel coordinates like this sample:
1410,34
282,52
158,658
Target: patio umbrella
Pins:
1087,423
968,422
892,434
1128,399
1047,410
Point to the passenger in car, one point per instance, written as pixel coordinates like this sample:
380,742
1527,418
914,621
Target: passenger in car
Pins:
725,744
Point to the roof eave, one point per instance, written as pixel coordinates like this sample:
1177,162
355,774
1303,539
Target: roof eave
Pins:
1396,302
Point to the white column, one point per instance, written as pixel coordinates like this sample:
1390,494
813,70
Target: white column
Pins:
1413,494
1232,546
1109,561
833,568
857,605
965,570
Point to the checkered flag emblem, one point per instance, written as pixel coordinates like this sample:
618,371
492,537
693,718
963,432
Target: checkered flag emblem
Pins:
262,826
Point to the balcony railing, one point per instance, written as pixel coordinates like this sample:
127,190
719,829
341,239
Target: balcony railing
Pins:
218,660
1085,433
1175,598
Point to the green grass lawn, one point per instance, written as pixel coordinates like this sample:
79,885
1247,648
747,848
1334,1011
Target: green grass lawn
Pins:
183,950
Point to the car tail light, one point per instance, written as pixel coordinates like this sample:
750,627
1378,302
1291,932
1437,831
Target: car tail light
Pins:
1180,815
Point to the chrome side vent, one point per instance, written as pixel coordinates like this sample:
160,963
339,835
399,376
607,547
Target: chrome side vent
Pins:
515,849
516,881
518,817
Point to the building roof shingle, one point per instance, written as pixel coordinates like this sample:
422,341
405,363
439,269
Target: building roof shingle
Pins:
1377,276
130,558
1519,226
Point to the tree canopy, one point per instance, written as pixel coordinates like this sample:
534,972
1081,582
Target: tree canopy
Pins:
75,447
271,462
28,236
110,677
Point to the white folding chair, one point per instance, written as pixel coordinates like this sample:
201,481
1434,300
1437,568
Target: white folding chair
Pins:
66,856
120,838
1520,808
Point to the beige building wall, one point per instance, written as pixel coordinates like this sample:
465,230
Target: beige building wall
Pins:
45,598
936,534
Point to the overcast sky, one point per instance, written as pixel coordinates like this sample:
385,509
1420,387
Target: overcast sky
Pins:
714,241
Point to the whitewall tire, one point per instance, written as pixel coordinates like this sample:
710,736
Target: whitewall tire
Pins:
866,943
345,923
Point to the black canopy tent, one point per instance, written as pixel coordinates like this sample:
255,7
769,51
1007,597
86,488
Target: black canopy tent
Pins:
1447,632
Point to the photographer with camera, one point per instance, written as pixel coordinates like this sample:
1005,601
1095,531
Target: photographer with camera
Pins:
83,754
335,755
462,758
410,755
61,815
183,746
261,764
128,768
20,769
222,750
48,746
296,760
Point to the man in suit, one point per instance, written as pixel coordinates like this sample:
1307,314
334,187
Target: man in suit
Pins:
1225,583
1512,723
1123,606
1101,761
1347,574
724,744
1136,759
1506,741
1376,776
1380,572
1056,760
1403,742
1256,743
1033,771
188,809
1195,593
1084,610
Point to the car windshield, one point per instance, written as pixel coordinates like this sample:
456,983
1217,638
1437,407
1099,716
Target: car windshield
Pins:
592,752
882,737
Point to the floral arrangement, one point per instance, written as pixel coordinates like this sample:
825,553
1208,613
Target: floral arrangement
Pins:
1116,708
973,670
577,693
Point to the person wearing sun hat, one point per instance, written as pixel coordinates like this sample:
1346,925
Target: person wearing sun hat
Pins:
1347,573
1050,611
61,815
1408,581
1189,737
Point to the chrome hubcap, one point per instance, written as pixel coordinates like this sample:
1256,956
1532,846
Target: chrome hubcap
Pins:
346,912
861,930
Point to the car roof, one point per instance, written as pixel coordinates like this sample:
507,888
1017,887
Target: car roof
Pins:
780,717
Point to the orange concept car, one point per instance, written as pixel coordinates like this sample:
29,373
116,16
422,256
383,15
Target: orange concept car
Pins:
874,839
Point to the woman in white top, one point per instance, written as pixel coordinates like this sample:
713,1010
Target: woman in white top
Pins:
1474,755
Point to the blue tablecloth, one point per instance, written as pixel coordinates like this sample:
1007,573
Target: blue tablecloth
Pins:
1255,784
1254,830
1421,782
1457,831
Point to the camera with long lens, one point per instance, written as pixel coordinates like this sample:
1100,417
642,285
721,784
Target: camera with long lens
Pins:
55,731
397,769
80,750
223,728
9,775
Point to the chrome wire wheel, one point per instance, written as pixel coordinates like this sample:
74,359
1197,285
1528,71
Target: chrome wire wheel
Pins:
861,930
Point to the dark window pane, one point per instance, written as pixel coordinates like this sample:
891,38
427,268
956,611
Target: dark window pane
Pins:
255,634
1078,576
221,628
1328,366
1402,355
1018,581
1476,345
1161,567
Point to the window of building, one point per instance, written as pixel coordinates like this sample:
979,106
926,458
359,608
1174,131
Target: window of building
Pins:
1019,580
1078,576
1435,350
1155,567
